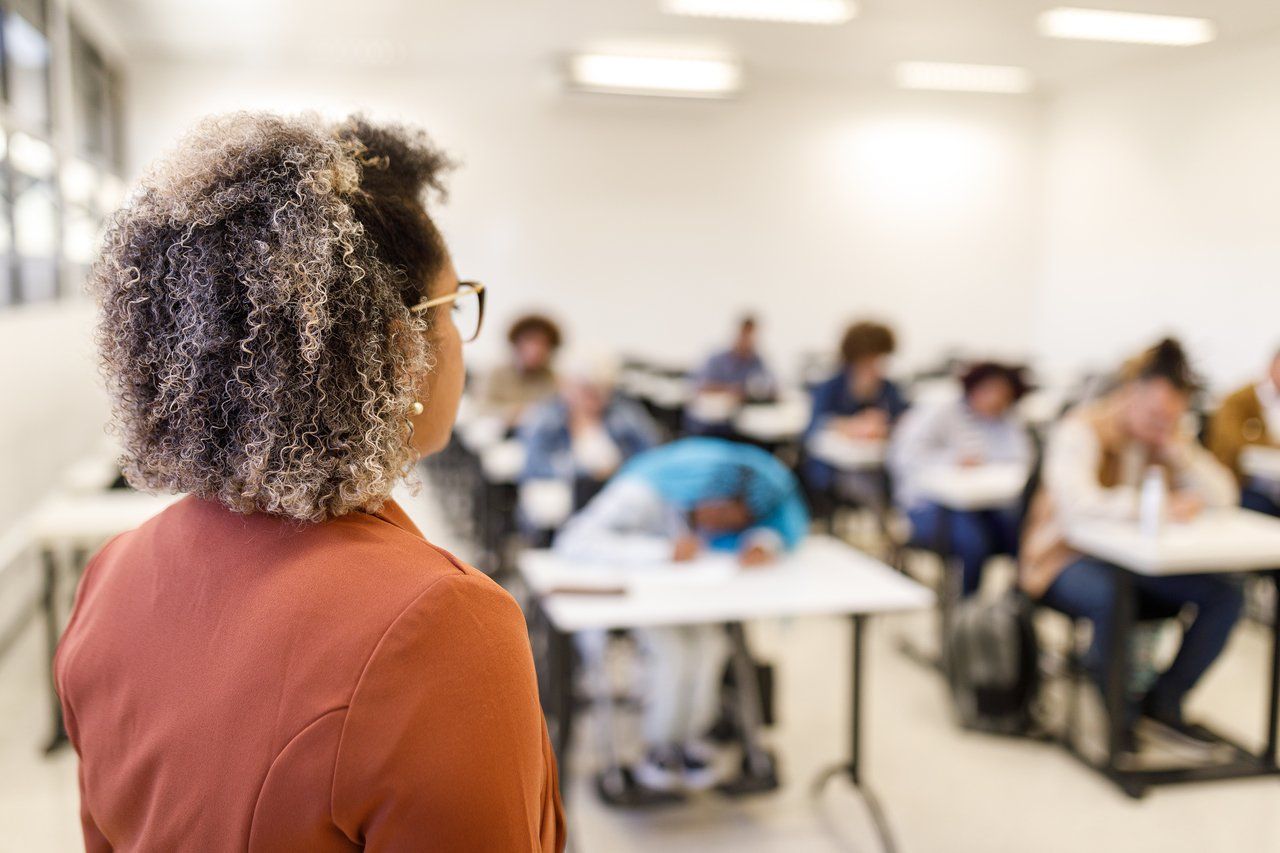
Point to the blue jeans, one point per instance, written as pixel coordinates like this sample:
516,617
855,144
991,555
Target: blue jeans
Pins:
974,537
1086,589
1258,501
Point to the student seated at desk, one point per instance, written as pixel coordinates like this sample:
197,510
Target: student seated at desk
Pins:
1094,465
979,428
1248,417
859,402
738,373
529,378
584,433
670,504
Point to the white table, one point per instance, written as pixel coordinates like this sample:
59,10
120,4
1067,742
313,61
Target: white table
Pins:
847,454
546,504
503,462
773,423
824,577
668,392
713,407
1261,461
1224,540
971,488
1220,540
77,524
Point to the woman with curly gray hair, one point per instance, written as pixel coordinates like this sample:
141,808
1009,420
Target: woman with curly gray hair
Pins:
280,660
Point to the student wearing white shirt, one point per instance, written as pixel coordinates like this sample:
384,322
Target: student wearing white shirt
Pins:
980,427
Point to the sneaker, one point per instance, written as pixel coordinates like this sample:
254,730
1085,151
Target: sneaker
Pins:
1173,728
698,765
662,769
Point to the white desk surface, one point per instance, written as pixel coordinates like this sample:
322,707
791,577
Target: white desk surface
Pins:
781,421
976,488
1220,540
1260,461
667,392
90,518
547,504
824,577
713,407
504,461
847,454
481,432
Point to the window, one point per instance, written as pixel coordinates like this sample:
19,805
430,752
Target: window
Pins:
26,59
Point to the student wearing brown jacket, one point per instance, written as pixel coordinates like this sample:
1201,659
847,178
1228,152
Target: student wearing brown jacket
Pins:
1250,417
281,661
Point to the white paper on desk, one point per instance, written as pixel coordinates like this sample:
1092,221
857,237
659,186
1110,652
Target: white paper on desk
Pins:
641,577
706,569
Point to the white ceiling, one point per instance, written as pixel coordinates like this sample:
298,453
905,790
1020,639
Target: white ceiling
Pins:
479,33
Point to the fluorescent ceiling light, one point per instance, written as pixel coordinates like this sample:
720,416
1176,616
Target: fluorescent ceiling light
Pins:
952,77
782,11
654,75
1103,25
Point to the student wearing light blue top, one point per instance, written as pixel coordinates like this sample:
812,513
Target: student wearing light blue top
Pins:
979,428
669,504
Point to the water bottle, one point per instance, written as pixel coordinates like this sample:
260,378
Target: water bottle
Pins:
1152,500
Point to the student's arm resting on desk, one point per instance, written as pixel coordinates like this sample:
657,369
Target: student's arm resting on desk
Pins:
443,747
1196,469
628,523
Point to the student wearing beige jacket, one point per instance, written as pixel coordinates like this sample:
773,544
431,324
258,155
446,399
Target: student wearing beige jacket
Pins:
1094,466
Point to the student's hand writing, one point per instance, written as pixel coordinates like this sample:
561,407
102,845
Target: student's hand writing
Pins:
685,549
1184,506
755,555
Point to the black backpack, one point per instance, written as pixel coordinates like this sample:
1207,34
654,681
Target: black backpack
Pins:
993,664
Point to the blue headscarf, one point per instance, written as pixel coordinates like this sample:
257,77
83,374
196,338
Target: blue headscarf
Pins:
694,470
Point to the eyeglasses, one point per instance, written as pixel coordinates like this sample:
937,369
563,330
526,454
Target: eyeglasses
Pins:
467,312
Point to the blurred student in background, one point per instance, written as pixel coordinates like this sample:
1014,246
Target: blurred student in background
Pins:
1095,463
671,504
732,377
585,432
860,402
529,377
980,428
1248,417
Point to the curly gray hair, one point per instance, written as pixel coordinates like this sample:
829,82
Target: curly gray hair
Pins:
255,332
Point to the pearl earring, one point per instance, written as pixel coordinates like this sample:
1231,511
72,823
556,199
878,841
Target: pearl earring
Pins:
416,408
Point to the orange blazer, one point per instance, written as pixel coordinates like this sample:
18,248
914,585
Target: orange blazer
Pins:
244,682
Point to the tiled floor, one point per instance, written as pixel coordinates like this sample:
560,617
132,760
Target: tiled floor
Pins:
942,789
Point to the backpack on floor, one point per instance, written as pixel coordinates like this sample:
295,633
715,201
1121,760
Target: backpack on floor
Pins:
993,664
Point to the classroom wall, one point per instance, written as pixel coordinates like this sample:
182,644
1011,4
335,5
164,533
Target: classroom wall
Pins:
1162,213
646,223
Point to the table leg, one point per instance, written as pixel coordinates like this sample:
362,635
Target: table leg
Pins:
1117,675
853,767
749,703
49,604
1273,705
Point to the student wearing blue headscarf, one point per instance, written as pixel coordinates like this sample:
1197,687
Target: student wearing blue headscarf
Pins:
669,504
